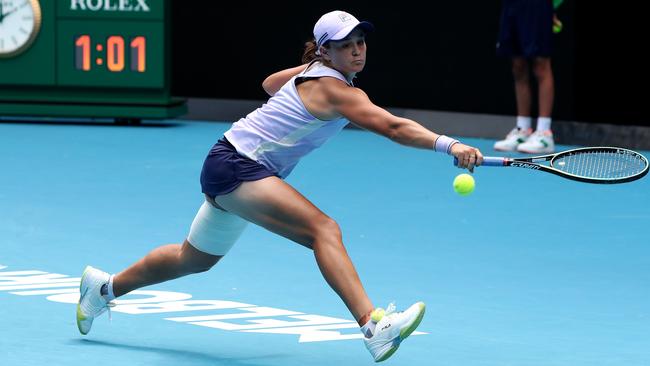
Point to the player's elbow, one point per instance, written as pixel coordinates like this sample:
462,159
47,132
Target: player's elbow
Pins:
272,84
395,132
267,85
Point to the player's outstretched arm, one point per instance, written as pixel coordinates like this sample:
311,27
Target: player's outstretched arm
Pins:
355,105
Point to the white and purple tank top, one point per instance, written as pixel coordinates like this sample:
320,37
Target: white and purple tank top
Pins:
280,132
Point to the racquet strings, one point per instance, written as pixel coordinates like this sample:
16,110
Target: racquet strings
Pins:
601,164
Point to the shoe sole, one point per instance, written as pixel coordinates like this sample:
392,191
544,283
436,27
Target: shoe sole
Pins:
80,316
405,332
410,328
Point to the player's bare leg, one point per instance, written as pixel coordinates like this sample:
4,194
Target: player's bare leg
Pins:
163,264
278,207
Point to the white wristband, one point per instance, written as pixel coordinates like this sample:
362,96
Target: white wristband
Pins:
444,143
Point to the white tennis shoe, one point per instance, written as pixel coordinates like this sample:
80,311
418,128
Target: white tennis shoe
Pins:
514,138
91,302
540,142
391,329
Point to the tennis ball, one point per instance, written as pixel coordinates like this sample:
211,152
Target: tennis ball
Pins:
377,314
557,27
464,184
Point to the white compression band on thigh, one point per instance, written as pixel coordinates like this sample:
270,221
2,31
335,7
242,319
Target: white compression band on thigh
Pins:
214,231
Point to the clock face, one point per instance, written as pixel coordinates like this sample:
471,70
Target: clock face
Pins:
20,21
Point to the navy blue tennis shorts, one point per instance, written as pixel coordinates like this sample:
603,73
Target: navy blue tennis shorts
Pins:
526,28
225,169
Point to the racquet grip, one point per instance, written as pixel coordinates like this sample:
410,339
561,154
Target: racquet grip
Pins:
493,161
488,161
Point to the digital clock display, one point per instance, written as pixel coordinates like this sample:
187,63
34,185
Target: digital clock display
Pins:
108,52
113,53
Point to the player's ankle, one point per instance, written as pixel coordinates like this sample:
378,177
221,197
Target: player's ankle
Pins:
365,318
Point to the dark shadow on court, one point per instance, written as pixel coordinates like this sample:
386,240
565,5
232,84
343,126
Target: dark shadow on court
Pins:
184,357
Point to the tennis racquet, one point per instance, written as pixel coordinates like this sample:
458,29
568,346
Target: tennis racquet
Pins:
602,165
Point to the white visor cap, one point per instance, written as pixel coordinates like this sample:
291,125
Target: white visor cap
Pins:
336,25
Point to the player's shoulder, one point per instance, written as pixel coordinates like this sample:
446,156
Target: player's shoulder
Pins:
338,90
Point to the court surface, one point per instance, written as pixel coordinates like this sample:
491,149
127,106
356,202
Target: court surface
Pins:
531,269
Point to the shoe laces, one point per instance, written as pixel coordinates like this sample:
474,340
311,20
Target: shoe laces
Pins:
379,313
540,135
106,307
110,305
518,132
390,308
514,132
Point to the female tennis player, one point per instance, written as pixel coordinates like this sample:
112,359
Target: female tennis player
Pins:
243,181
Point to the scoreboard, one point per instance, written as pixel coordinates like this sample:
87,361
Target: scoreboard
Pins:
87,58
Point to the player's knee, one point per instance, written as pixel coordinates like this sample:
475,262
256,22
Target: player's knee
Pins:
327,231
541,71
201,266
520,70
196,261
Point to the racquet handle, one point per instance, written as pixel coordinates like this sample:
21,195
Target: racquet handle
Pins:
493,161
488,161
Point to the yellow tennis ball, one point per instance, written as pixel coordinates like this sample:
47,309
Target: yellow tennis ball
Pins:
557,27
464,184
377,314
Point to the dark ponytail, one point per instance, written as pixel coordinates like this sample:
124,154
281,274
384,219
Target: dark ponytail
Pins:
309,54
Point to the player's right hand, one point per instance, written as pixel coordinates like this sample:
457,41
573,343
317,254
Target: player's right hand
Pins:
468,157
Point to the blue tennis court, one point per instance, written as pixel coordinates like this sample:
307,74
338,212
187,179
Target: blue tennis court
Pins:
531,269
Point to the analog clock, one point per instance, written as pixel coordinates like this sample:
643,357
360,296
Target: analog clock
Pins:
20,21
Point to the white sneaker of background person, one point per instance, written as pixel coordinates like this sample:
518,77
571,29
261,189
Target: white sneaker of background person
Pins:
91,302
390,329
540,142
514,138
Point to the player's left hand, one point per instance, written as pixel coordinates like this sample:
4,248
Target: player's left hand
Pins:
468,157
